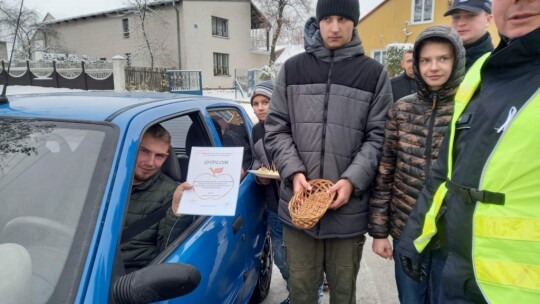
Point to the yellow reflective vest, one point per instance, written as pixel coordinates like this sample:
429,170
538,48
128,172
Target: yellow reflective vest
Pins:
506,238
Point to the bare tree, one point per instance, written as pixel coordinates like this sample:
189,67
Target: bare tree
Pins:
145,14
30,26
286,16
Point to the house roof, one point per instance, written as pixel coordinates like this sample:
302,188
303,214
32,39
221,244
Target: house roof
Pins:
288,52
373,10
121,10
258,20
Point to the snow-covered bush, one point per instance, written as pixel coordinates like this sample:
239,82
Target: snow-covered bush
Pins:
49,57
267,73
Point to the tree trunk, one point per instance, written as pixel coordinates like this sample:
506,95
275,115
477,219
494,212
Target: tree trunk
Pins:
142,16
277,32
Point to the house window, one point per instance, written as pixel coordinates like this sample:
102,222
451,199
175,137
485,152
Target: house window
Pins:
220,27
125,27
379,55
422,11
221,64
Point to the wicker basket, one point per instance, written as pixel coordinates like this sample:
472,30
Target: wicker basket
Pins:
307,207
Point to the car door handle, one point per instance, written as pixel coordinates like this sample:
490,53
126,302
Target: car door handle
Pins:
237,224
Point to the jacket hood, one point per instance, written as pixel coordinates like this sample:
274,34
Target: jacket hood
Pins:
314,44
458,70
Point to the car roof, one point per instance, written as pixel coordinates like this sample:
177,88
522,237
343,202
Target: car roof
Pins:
96,105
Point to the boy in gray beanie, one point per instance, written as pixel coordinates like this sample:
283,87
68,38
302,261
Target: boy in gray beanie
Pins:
326,120
260,101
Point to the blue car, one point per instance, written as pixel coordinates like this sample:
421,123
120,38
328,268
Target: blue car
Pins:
66,168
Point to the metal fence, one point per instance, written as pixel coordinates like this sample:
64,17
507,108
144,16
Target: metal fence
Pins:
244,81
99,76
61,74
185,81
146,79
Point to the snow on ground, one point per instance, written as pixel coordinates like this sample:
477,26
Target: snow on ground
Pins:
221,93
18,90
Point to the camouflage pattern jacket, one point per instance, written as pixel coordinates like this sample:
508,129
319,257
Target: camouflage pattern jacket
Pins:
414,131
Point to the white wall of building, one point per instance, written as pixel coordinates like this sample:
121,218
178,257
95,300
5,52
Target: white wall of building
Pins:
102,37
199,43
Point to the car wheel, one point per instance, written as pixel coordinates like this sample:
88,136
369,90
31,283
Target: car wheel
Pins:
265,273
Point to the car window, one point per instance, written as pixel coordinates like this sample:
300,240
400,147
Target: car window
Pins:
233,132
153,195
50,176
178,128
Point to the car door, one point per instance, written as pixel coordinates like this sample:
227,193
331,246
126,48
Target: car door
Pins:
216,245
235,127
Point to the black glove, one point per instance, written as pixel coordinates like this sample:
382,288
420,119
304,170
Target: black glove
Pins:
413,268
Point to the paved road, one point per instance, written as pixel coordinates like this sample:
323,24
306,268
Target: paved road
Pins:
375,283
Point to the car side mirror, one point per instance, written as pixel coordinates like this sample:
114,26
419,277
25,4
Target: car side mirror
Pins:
156,283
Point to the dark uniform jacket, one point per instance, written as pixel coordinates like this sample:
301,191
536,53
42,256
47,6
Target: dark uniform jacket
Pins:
414,132
476,49
510,77
402,86
326,120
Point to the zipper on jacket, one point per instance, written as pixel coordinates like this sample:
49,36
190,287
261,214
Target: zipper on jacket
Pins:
429,140
326,99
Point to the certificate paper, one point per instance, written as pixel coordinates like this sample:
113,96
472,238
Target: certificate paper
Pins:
214,173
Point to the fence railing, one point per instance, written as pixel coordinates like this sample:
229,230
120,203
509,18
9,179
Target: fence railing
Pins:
185,81
41,69
71,75
146,79
245,80
100,76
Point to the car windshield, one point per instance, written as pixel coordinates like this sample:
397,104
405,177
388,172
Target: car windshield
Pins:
47,171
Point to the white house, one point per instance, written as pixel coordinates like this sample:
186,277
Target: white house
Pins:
216,37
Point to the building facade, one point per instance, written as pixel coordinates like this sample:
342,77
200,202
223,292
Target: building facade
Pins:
400,21
212,36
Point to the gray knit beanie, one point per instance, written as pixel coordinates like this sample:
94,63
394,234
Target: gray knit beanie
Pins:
349,9
264,88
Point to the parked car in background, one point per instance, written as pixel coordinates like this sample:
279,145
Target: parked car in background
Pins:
66,167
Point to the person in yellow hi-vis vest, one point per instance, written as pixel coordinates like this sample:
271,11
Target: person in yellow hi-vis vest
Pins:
483,194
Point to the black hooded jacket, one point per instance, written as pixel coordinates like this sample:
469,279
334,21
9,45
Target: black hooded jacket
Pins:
476,49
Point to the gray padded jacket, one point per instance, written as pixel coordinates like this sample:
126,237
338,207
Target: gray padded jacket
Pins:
326,120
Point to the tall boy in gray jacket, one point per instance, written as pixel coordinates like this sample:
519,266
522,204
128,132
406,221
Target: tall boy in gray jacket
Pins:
326,120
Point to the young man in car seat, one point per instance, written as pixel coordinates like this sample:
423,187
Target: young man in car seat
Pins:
150,191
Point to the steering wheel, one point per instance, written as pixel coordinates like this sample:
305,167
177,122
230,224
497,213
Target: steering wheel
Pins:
48,243
34,230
